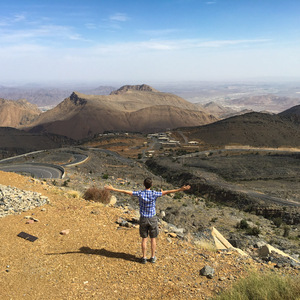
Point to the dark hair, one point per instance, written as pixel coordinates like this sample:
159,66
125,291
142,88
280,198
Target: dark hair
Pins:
148,183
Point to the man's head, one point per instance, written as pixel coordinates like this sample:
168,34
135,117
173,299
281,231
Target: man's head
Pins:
148,183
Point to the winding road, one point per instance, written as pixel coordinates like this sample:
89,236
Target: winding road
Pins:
35,170
39,170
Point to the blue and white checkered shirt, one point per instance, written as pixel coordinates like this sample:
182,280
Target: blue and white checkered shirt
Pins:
147,201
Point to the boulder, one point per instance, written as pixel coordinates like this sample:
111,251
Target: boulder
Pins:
207,271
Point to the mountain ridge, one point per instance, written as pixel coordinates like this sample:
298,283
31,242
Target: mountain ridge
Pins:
80,116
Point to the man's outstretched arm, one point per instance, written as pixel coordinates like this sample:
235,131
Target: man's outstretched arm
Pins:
111,188
183,188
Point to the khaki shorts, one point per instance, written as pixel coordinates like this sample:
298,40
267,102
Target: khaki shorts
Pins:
149,226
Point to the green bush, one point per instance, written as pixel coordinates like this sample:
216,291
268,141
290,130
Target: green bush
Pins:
286,231
253,231
243,224
277,222
268,286
177,196
105,176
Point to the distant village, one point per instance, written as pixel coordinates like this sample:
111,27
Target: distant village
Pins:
157,142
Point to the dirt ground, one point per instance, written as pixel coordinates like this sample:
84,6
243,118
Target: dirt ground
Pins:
98,259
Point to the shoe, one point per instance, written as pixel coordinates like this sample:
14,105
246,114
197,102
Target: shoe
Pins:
153,259
143,260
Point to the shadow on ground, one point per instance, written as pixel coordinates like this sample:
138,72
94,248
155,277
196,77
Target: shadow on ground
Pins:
102,252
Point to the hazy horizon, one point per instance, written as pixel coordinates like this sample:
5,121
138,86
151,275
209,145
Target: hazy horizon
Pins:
135,42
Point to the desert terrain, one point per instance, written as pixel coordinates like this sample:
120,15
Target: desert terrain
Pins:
100,259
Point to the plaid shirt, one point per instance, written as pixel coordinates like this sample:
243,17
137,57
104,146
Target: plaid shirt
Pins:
147,200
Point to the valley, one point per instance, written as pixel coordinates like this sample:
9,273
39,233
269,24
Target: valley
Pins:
227,186
242,167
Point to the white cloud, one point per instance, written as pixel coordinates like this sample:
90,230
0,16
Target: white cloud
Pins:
120,17
159,32
191,59
45,32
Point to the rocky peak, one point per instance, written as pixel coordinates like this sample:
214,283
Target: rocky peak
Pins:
127,88
77,99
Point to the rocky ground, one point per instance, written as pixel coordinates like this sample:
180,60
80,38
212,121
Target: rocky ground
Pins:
98,259
190,212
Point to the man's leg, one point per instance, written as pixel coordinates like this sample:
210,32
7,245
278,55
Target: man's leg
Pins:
153,247
144,247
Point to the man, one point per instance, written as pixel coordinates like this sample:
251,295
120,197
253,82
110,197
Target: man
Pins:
148,218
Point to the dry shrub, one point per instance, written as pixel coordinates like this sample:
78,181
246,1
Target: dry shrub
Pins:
262,287
73,194
98,195
206,245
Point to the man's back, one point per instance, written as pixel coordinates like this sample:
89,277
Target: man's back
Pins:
147,201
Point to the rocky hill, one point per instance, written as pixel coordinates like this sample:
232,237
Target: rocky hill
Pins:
17,113
292,114
48,96
268,102
14,142
83,252
253,129
219,110
127,88
136,109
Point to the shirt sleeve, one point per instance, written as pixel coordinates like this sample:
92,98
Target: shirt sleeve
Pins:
135,193
158,194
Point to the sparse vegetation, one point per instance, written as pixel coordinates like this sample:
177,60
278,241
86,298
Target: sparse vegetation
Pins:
253,231
286,231
105,176
263,287
277,222
177,196
98,195
66,183
243,224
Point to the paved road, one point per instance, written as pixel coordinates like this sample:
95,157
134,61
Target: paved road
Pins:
34,170
38,170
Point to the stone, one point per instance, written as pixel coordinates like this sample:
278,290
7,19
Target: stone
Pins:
172,234
65,232
259,244
29,222
113,200
207,271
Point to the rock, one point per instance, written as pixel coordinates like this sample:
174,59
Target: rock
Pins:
65,232
176,230
259,244
113,200
172,234
162,214
267,250
29,221
207,271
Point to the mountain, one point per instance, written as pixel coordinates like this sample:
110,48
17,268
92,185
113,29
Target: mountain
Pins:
130,88
268,102
131,108
253,129
17,113
48,96
14,142
218,110
292,114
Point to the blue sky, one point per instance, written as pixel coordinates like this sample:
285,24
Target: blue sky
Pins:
134,41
